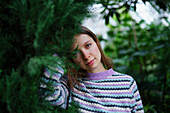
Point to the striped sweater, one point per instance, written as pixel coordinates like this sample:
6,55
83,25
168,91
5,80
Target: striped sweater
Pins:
104,92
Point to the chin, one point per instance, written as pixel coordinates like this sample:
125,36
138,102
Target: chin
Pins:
92,68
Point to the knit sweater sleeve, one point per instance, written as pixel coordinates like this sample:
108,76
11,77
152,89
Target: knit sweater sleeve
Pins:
138,106
58,82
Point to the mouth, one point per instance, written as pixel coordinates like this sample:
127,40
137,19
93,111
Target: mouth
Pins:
90,63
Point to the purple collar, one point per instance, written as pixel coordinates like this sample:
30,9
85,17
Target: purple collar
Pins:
100,75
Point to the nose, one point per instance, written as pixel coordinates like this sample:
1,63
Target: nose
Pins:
85,54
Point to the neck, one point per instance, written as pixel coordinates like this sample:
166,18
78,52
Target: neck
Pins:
100,75
98,69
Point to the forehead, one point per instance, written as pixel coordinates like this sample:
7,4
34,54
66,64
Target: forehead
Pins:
81,39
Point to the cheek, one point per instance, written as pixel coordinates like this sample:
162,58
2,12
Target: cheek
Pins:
96,52
77,61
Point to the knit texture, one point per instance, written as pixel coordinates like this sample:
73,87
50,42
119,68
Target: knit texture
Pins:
102,92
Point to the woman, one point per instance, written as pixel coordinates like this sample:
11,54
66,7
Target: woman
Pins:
96,87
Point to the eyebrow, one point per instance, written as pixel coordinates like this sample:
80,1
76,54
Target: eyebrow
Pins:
86,42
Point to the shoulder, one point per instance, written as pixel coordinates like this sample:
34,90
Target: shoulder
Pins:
121,76
125,80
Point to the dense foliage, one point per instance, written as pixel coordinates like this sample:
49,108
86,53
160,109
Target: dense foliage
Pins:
143,52
119,7
31,31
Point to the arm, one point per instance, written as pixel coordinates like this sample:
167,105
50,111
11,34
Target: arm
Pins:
138,106
58,83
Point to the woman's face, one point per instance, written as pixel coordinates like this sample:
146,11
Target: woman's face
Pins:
89,56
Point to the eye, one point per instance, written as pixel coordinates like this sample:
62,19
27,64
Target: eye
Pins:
88,45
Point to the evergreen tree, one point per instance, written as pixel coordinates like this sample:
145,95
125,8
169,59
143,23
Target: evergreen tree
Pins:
31,31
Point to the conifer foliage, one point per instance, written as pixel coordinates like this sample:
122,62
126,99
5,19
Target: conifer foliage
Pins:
31,31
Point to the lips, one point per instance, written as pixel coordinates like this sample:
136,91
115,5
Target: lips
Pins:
90,63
